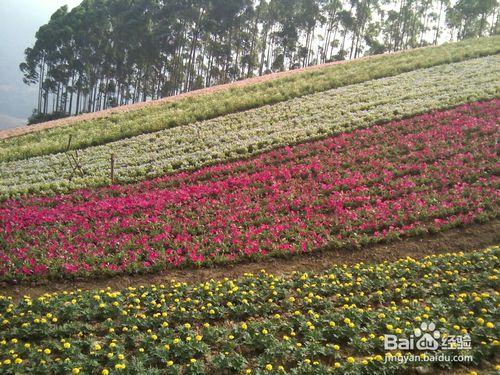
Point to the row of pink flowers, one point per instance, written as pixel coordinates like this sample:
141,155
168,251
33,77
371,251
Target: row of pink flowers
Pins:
402,178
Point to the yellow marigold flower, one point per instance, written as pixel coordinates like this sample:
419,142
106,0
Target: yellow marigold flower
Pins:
336,347
269,367
351,360
47,351
167,347
67,345
75,370
105,372
198,337
336,365
192,360
18,361
244,326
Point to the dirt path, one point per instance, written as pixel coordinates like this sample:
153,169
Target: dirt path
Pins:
460,239
169,99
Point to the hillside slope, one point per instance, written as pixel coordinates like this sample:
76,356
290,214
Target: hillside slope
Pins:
424,174
214,102
247,133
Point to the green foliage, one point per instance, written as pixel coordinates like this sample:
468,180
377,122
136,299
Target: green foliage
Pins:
36,117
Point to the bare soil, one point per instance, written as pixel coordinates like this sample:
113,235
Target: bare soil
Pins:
469,238
169,99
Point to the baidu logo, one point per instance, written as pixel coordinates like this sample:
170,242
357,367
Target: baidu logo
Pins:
426,338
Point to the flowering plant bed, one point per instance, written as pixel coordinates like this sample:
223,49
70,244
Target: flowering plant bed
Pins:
332,322
408,177
251,132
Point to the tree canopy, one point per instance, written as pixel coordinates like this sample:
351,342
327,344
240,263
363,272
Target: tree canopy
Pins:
106,53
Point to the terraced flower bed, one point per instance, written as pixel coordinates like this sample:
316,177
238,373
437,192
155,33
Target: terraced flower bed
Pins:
191,109
316,323
403,178
247,133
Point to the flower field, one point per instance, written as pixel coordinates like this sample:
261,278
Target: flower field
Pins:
403,178
332,322
190,110
247,133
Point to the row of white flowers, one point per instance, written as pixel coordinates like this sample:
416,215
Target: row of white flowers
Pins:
246,133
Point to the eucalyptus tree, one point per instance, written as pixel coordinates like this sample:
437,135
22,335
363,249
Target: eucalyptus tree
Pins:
331,10
471,18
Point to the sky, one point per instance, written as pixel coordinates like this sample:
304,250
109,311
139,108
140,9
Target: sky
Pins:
19,21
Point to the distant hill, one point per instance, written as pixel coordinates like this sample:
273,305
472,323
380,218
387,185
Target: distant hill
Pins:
8,122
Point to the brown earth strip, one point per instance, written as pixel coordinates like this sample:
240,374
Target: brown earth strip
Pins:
9,133
469,238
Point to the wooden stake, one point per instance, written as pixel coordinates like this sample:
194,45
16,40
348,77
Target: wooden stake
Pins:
112,168
69,142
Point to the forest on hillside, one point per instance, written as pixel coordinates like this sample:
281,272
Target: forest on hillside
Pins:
106,53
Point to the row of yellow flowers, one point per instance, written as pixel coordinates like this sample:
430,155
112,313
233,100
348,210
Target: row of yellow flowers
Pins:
303,323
